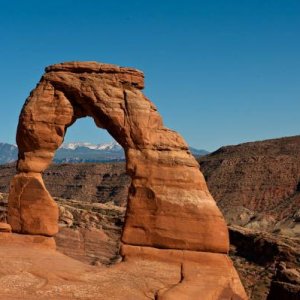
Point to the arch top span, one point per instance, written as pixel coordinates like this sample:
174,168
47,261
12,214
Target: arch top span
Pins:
126,75
169,205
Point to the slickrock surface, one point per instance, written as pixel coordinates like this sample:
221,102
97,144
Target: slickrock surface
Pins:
170,213
32,272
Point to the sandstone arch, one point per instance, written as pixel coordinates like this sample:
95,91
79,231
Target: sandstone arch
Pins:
169,205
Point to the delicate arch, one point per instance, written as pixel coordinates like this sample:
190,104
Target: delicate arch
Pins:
169,205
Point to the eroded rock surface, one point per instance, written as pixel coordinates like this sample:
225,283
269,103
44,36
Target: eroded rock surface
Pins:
32,270
169,206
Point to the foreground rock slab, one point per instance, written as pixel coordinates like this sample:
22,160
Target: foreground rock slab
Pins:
33,270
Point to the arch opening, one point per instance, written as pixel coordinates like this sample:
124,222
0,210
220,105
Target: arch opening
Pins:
90,187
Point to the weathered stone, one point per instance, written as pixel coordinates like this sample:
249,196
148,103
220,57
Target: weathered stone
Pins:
169,205
4,227
31,208
203,275
25,240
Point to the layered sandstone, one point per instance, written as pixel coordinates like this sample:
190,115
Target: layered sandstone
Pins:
169,205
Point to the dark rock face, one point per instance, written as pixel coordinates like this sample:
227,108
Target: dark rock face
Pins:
284,291
266,263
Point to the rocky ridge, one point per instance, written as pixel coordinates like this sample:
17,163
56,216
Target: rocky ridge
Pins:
257,185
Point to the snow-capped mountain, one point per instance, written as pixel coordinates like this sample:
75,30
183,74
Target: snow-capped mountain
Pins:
88,152
79,152
112,146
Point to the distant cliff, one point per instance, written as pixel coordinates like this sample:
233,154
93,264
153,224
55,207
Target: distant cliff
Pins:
257,183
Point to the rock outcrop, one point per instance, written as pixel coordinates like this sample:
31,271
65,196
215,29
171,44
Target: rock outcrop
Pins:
101,183
169,206
286,283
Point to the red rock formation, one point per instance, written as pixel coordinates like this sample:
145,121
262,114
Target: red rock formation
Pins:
31,208
169,205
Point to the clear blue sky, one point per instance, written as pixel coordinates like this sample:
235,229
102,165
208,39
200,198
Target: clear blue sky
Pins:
220,72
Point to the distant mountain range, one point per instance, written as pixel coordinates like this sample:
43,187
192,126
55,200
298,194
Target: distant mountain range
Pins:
87,152
80,152
198,152
8,153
